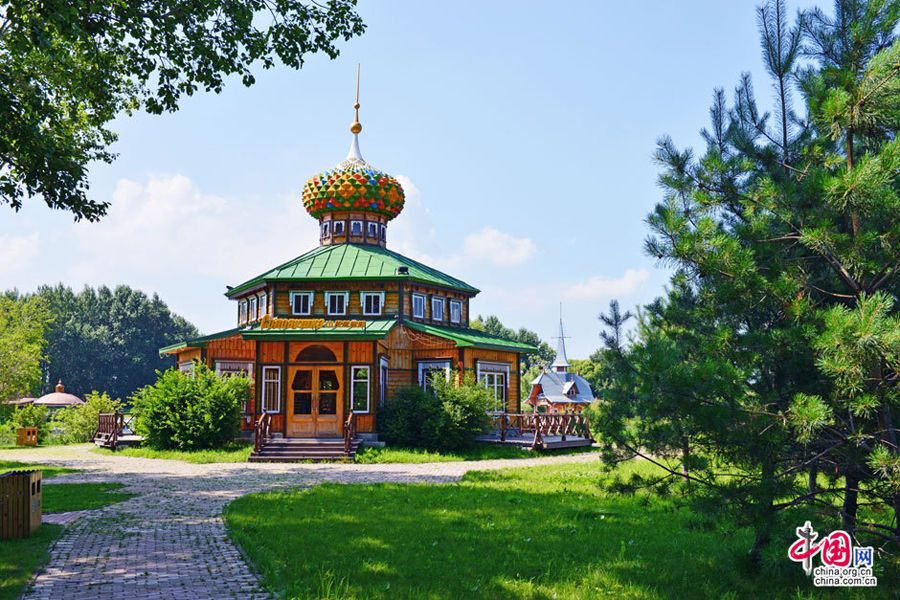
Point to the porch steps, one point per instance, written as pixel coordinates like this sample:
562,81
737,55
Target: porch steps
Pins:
305,449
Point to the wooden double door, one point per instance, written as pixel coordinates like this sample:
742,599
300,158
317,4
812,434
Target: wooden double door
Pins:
315,403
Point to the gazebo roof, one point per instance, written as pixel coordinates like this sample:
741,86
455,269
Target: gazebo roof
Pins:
59,398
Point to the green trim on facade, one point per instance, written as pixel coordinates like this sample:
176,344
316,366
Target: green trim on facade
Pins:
199,342
471,337
374,330
352,262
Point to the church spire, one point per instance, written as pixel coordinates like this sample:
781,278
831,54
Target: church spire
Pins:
356,126
561,364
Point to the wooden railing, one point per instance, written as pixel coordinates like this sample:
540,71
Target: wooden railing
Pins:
349,431
111,426
262,431
540,425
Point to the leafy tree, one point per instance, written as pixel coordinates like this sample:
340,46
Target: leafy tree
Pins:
79,423
493,326
23,325
69,68
770,354
31,415
195,411
108,339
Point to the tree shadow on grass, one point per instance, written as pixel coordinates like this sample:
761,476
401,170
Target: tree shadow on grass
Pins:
478,539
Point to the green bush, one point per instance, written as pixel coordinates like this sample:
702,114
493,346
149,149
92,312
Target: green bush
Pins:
194,411
30,415
80,422
411,418
447,417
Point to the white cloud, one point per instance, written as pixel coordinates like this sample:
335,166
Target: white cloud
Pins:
500,248
167,225
16,251
598,287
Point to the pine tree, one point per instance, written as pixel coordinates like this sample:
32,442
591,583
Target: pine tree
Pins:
773,354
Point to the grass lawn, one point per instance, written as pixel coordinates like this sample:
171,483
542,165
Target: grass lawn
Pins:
64,497
240,452
542,532
370,455
231,453
19,558
13,465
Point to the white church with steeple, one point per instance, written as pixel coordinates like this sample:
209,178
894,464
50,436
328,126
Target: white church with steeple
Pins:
556,390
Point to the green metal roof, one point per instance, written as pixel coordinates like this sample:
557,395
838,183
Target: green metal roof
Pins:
374,330
471,337
353,262
199,342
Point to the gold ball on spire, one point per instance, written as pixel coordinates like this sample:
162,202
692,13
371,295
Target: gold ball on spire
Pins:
356,127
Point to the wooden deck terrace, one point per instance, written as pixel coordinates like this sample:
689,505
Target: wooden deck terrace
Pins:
539,431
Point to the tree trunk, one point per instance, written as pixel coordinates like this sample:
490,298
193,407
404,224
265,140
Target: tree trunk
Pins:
813,477
766,521
685,453
851,498
854,215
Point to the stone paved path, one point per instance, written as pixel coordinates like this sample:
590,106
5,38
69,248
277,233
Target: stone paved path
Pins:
169,541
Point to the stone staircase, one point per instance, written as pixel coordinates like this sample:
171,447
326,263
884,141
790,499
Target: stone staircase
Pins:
305,449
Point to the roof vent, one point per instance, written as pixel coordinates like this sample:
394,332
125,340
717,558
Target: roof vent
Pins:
403,270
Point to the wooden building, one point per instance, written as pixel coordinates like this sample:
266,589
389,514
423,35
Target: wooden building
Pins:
557,390
333,333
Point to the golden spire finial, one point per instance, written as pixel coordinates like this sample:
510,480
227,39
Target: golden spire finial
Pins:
356,127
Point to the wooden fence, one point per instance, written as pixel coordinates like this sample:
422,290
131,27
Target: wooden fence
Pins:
540,425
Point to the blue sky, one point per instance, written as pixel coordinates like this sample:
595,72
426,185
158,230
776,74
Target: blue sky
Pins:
523,133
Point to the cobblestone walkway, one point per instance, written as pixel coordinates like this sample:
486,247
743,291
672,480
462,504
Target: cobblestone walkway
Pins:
169,541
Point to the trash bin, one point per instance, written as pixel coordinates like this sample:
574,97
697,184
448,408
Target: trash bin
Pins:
26,436
20,503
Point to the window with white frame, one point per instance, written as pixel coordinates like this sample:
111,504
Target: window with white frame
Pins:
373,231
371,303
383,232
428,370
254,303
437,309
326,228
455,311
338,228
301,303
356,228
359,389
418,306
494,377
383,381
242,313
263,305
271,389
336,302
186,366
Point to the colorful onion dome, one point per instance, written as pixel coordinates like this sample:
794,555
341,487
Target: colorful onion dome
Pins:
353,185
